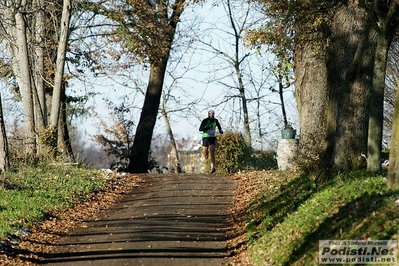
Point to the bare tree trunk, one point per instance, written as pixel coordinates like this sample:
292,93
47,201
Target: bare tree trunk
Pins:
142,140
38,74
350,72
64,140
174,151
376,117
333,92
59,74
21,67
237,64
4,155
387,22
244,106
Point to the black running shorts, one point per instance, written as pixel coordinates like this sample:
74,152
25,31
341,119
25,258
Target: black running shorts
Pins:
208,141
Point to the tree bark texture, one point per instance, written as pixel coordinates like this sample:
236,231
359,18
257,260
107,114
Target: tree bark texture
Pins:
386,27
21,67
64,140
59,74
333,92
350,66
311,96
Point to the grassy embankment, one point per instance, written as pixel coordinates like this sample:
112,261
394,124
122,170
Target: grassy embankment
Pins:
290,215
32,194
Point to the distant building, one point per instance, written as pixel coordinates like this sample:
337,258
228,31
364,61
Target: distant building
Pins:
189,151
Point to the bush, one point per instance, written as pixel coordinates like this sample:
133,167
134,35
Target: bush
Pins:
233,153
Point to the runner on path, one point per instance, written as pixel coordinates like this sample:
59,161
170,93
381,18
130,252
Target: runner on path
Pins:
208,127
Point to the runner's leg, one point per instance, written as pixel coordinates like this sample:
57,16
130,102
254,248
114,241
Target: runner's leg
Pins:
205,145
205,152
212,151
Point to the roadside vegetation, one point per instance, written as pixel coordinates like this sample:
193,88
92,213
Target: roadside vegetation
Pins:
280,215
288,213
35,193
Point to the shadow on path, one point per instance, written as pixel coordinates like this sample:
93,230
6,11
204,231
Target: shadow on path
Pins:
178,220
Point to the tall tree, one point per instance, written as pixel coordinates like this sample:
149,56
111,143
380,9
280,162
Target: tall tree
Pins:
31,45
336,39
58,86
392,78
147,29
164,23
393,170
39,67
15,38
385,17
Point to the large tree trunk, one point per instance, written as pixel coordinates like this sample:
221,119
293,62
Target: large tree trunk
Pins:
138,160
376,117
142,140
333,92
386,23
21,67
312,97
350,75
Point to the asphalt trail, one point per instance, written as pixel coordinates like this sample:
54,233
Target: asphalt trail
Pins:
178,219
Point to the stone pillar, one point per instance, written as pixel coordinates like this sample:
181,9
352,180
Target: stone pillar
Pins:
287,151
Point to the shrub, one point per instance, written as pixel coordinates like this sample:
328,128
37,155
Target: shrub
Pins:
233,153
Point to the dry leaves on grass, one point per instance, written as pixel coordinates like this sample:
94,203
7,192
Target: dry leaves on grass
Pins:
248,184
45,234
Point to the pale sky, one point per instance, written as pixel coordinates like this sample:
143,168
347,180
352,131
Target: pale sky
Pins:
196,68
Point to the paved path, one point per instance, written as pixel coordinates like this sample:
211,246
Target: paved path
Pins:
177,220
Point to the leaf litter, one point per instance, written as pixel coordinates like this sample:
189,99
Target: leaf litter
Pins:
43,236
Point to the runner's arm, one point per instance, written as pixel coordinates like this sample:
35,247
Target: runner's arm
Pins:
203,126
219,127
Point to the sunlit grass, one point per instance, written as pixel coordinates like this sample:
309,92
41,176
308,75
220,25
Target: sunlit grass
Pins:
35,193
290,218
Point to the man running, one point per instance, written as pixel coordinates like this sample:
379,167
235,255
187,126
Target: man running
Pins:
208,127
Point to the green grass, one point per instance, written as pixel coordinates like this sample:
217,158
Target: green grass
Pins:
36,193
289,218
